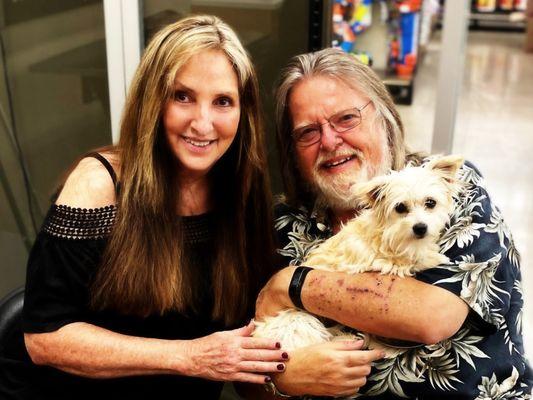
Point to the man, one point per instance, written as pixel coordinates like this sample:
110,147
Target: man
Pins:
462,321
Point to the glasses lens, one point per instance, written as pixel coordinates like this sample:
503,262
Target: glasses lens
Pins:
346,119
307,135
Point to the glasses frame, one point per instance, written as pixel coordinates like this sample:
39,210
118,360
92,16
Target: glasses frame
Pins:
328,121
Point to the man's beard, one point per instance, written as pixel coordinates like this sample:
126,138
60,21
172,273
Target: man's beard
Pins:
336,192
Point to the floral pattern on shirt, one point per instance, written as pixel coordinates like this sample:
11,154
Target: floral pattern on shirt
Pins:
485,358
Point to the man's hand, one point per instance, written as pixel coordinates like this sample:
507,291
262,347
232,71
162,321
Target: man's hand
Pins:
274,297
343,369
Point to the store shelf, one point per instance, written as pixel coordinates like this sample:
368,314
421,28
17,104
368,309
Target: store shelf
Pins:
505,20
400,87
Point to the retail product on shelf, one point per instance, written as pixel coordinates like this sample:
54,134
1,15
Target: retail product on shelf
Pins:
488,6
386,35
409,15
520,5
498,14
362,56
485,5
350,18
507,5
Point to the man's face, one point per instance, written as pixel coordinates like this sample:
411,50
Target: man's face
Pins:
338,160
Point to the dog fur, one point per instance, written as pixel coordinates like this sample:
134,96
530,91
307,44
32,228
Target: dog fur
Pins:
403,214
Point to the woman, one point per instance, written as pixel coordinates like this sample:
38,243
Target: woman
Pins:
133,279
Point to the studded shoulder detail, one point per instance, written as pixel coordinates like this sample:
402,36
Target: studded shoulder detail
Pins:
67,222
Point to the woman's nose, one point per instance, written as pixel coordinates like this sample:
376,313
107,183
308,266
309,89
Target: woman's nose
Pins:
202,121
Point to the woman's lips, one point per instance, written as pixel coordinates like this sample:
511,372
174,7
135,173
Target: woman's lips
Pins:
197,142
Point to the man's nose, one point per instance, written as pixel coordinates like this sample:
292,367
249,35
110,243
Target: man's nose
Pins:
329,139
202,121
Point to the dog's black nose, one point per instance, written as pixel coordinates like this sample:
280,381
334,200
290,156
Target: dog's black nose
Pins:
420,230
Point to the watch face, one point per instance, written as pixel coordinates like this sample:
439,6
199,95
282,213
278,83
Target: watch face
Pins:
270,387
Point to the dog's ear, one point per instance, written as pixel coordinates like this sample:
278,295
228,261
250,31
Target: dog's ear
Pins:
446,166
368,193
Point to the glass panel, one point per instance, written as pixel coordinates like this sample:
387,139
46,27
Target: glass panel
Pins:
54,106
271,30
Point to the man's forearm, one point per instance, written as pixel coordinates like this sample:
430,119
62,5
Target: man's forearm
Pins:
385,305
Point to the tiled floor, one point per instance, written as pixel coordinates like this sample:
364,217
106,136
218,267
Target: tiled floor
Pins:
494,129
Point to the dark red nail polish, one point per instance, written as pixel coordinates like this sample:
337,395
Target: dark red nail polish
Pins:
281,367
278,345
284,355
267,379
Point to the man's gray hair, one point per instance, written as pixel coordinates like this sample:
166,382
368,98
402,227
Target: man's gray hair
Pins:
339,65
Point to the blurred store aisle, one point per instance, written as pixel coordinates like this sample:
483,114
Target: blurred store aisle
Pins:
494,129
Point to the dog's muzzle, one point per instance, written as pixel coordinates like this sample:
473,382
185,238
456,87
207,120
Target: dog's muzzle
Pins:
420,230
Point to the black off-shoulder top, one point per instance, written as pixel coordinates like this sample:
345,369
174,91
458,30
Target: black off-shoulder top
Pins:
62,263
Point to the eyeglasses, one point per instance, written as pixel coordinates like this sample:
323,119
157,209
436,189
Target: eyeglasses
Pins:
340,122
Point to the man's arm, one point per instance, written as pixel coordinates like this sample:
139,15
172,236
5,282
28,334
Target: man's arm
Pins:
384,305
331,369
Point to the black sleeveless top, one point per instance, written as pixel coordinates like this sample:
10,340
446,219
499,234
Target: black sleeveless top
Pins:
62,263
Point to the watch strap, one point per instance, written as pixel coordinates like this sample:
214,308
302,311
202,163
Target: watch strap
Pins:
297,282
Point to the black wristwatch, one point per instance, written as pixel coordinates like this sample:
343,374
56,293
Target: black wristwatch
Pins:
271,388
297,282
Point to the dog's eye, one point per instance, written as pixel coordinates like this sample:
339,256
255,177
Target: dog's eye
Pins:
400,208
430,203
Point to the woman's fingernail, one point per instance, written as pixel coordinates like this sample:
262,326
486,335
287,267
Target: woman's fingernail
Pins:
278,345
284,355
267,379
281,367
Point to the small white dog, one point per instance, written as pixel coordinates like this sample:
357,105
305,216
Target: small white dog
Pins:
396,233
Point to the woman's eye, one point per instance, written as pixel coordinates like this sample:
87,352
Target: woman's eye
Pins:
401,208
224,102
430,203
181,96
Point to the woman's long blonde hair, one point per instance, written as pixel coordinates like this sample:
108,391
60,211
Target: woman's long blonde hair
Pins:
144,269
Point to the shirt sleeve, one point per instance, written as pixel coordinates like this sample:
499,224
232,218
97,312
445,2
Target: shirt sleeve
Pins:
298,232
484,263
60,267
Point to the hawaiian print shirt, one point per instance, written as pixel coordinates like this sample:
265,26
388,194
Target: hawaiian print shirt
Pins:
485,358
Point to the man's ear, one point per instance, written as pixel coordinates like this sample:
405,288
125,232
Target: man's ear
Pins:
446,166
368,193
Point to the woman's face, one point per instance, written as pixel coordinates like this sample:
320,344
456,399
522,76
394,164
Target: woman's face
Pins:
202,118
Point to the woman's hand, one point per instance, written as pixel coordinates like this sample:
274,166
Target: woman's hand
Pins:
327,369
236,356
274,297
